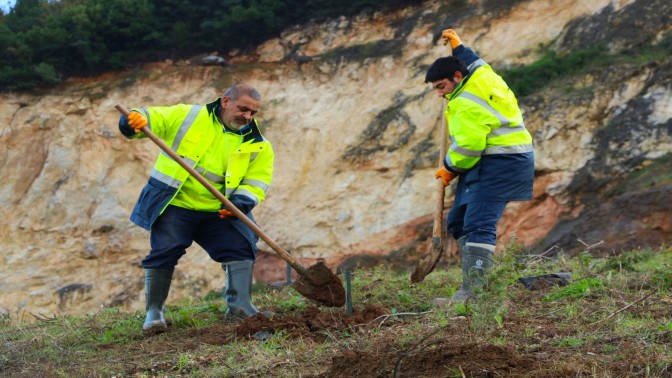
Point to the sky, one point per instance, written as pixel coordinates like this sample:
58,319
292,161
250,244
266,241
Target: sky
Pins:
6,4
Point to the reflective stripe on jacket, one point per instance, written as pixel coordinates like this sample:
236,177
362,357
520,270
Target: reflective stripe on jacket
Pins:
189,130
483,118
504,171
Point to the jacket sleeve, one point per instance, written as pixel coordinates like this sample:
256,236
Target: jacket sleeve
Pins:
468,132
469,57
163,121
252,189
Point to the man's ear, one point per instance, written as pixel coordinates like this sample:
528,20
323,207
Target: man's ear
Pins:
458,76
225,100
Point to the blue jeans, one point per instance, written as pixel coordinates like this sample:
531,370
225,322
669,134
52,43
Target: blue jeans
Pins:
176,229
476,220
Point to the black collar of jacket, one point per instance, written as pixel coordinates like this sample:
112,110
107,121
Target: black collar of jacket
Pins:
250,132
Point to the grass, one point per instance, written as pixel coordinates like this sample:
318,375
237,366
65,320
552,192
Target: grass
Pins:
553,67
653,174
612,320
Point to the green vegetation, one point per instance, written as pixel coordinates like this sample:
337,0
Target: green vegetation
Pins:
553,67
652,174
577,289
42,42
612,320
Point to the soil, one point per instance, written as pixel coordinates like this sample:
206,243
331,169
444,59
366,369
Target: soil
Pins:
450,350
453,350
374,341
472,360
310,322
322,286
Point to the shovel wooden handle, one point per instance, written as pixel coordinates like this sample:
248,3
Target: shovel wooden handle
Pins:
437,230
230,206
427,263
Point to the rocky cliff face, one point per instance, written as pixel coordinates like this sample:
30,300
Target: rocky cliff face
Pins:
355,131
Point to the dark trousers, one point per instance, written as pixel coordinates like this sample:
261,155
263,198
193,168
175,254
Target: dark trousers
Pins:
476,220
176,229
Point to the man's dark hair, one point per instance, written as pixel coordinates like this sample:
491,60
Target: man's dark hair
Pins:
445,68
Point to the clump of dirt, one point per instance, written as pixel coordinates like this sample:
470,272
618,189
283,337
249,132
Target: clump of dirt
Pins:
259,322
310,321
322,286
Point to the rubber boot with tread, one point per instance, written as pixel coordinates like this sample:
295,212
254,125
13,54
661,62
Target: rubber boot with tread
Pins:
476,261
157,285
238,291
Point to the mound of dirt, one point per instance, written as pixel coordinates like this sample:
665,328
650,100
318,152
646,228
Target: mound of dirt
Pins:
309,321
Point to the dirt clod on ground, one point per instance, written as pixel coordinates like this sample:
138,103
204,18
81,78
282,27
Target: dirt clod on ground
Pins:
309,321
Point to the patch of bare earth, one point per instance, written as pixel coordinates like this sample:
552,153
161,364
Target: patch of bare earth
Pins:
310,322
443,357
532,339
532,348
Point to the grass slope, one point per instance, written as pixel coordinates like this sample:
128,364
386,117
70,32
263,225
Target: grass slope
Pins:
614,319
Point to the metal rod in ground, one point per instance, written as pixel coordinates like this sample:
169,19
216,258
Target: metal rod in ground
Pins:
288,272
348,294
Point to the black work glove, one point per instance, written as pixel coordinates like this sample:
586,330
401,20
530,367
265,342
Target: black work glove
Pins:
125,127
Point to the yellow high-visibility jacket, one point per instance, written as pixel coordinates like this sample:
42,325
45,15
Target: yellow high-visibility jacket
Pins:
490,147
484,119
238,163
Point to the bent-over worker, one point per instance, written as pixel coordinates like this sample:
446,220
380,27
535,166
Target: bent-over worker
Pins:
220,140
490,151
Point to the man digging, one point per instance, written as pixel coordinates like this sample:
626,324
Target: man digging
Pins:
490,151
221,141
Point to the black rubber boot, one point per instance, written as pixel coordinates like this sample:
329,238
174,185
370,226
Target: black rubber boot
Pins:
238,290
476,261
157,285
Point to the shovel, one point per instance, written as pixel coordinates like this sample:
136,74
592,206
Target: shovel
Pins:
317,283
428,262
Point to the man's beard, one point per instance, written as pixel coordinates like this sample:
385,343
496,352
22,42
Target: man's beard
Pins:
234,125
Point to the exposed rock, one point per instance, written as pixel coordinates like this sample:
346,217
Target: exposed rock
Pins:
73,294
212,60
355,132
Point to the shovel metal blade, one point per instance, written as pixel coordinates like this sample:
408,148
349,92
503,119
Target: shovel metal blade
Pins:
322,286
428,262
